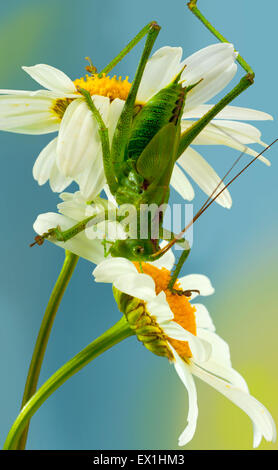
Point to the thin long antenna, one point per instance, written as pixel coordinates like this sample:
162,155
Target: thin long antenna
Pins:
209,202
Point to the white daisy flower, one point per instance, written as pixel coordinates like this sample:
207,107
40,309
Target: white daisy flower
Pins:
76,153
88,243
169,325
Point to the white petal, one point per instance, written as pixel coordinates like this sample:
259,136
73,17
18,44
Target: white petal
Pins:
220,348
111,269
137,285
215,66
211,86
45,168
92,250
160,70
92,180
78,140
205,176
216,133
260,416
196,281
201,349
57,181
166,261
159,308
27,114
205,60
109,195
229,112
51,78
181,184
185,375
115,111
75,206
203,318
44,163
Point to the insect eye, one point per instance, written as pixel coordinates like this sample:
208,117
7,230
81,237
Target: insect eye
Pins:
139,250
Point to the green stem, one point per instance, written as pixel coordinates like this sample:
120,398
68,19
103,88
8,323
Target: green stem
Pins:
114,335
43,336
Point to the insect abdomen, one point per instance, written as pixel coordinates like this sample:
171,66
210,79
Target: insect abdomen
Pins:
166,106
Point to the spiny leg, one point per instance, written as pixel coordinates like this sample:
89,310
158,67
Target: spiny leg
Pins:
122,130
64,235
195,10
128,48
104,138
190,134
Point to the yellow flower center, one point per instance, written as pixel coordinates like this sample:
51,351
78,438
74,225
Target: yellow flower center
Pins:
184,312
112,87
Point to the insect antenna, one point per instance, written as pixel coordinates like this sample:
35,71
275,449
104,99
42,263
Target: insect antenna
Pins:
211,199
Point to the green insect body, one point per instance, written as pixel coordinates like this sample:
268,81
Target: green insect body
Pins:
143,157
147,141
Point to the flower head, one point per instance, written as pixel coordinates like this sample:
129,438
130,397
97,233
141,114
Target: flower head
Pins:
168,324
76,153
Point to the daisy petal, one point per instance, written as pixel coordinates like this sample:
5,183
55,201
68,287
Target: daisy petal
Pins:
51,78
159,308
44,163
205,176
184,374
229,112
26,114
137,285
45,168
166,261
160,70
181,184
74,206
215,66
232,134
260,416
196,281
92,180
78,140
57,181
203,318
201,349
115,111
113,268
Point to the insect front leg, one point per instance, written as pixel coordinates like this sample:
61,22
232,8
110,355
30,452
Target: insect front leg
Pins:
128,48
122,131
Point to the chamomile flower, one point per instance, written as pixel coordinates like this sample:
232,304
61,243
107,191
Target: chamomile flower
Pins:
169,325
76,153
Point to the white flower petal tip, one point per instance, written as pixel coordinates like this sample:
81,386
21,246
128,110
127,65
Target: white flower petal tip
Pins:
198,282
51,78
111,269
263,423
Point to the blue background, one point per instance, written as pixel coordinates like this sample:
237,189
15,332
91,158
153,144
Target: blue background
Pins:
129,398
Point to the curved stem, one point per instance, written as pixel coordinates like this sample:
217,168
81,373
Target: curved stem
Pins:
114,335
44,333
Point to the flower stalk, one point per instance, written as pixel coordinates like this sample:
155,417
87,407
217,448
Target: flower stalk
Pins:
112,336
44,333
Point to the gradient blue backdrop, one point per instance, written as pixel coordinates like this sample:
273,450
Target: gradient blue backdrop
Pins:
129,398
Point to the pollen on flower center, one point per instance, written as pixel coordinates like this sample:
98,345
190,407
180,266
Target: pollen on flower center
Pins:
59,107
103,85
184,312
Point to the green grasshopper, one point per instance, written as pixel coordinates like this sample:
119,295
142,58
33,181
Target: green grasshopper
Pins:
147,143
